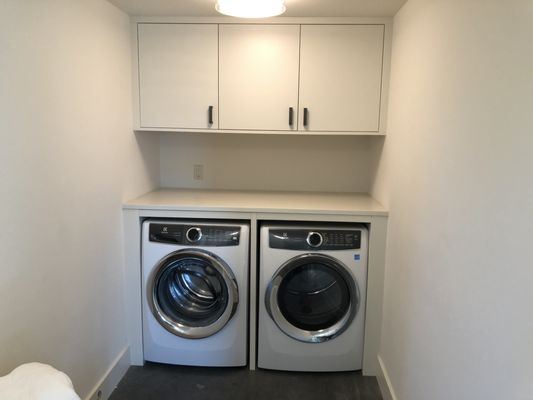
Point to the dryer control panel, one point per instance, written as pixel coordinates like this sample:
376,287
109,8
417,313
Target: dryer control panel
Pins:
319,239
195,235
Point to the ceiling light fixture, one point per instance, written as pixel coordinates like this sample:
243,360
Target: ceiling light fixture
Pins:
251,8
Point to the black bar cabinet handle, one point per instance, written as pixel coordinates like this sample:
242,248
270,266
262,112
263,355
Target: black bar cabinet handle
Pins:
306,117
291,116
210,115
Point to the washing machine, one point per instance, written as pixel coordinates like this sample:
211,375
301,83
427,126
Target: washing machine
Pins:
312,289
194,292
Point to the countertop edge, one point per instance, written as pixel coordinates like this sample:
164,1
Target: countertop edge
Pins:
158,200
253,210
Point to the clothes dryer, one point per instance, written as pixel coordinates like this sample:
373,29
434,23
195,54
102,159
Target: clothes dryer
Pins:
312,290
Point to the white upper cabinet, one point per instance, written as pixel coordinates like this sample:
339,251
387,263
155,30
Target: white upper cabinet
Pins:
262,77
341,77
178,76
258,77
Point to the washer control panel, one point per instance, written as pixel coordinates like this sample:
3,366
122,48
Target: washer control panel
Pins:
317,239
195,235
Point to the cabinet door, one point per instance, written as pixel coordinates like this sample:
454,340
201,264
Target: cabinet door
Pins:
258,76
340,77
178,75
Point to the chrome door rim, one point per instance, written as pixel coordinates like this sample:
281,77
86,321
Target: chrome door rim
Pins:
308,336
181,329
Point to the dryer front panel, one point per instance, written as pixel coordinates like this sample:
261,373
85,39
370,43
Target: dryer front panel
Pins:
312,298
192,293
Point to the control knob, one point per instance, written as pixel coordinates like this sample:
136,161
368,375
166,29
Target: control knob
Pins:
194,234
314,239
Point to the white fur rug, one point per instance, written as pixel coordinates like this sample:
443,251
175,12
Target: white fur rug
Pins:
36,381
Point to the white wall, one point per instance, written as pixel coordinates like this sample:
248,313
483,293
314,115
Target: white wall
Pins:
270,162
457,173
67,159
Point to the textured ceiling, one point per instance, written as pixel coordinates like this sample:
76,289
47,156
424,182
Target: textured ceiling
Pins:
295,8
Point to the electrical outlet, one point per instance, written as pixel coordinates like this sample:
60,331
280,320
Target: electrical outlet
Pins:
198,173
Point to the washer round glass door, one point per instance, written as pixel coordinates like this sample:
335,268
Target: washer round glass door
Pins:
312,298
192,293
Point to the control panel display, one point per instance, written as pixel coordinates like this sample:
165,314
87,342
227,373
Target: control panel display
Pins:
195,235
319,239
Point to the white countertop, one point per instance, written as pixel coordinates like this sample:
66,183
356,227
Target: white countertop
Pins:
257,201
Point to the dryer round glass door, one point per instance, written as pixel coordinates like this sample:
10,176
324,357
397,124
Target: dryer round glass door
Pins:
312,298
192,293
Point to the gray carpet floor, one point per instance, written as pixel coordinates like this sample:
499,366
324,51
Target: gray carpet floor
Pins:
166,382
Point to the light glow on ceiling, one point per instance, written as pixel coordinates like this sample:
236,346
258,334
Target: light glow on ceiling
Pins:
251,8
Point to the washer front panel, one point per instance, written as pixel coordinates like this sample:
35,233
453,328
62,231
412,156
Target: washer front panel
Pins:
312,298
194,235
329,239
192,293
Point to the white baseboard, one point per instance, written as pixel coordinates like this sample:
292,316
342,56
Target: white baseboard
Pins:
384,382
109,381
